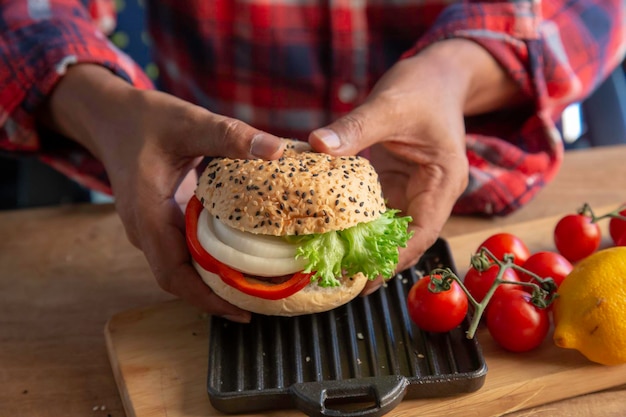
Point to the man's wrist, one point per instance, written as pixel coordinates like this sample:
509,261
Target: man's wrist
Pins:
79,101
485,84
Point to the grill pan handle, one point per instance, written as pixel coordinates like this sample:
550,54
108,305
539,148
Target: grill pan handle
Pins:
372,397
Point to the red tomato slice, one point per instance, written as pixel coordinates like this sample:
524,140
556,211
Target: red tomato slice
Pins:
231,276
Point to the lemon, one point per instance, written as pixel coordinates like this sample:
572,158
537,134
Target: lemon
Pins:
590,312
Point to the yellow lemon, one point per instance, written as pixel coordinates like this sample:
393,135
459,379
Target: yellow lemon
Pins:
590,312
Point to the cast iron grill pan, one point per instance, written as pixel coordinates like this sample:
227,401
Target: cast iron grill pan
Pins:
360,359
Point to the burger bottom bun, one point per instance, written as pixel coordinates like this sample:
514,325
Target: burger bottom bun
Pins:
311,299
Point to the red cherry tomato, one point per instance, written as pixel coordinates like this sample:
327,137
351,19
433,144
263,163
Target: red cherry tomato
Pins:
621,241
546,264
576,237
515,323
503,243
436,311
617,228
478,283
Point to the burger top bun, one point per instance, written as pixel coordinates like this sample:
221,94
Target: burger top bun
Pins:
303,192
311,299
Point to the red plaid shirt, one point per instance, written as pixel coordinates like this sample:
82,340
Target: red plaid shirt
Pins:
293,66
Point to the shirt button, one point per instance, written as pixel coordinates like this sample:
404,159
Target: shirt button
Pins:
348,93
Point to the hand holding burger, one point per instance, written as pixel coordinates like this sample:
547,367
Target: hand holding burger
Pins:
296,235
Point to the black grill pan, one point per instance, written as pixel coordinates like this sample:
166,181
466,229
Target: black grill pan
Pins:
360,359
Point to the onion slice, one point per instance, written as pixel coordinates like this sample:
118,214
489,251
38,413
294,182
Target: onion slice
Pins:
253,244
265,264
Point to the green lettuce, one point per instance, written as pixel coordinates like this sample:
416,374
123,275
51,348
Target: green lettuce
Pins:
370,248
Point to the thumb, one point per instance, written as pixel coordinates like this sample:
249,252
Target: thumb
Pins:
210,134
351,133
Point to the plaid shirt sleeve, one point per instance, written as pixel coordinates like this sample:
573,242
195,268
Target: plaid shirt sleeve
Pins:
38,41
558,52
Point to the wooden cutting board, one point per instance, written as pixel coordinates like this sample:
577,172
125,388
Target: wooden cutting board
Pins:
159,358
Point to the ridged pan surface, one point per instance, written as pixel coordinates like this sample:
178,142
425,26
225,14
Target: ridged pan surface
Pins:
360,359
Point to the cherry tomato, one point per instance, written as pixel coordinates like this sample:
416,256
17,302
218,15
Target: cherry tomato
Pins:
478,283
621,241
546,264
436,311
617,228
515,323
503,243
576,237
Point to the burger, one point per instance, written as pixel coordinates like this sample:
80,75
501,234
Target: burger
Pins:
297,235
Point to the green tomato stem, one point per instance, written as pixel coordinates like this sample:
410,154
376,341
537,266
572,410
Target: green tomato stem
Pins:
542,296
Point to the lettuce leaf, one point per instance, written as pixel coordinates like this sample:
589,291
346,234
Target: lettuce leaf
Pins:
370,248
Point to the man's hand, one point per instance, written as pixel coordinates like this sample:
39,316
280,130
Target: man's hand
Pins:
149,143
413,124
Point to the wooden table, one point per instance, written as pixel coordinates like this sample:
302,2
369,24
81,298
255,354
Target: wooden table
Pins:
64,271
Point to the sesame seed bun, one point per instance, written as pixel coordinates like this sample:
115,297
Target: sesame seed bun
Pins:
311,299
303,192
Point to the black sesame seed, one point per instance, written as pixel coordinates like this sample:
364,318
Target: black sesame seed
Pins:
357,211
218,185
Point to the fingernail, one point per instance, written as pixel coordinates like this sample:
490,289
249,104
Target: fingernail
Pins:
329,138
238,318
264,145
368,291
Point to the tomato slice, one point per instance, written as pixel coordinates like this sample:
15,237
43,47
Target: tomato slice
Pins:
231,276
